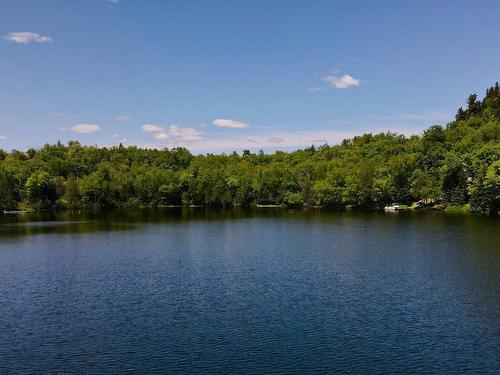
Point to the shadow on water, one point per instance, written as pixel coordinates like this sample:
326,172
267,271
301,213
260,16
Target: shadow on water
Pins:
88,221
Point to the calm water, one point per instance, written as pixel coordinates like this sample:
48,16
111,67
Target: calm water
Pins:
262,291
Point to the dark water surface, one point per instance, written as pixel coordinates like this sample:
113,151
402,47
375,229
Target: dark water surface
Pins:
259,291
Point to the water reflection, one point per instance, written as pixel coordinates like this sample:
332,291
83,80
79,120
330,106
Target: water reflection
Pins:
86,221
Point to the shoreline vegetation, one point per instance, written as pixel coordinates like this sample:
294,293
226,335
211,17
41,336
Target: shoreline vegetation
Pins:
455,168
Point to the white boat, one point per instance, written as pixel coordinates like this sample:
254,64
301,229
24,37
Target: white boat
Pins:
394,207
15,212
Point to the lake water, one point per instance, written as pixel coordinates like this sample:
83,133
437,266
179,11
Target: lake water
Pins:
249,291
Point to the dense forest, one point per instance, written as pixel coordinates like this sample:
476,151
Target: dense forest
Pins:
456,166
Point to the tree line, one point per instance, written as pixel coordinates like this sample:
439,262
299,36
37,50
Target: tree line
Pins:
455,165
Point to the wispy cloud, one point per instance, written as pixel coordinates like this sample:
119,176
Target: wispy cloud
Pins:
151,128
25,37
341,122
86,128
119,138
59,114
161,135
112,3
227,123
281,140
290,140
275,140
426,116
123,118
316,89
341,82
185,134
175,134
269,140
2,137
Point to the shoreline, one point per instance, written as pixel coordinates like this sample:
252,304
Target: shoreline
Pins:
461,210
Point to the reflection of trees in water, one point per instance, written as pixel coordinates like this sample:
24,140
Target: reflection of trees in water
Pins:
86,221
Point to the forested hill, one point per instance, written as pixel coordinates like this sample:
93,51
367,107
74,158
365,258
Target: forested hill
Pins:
451,166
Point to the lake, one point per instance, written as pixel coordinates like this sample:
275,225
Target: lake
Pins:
249,291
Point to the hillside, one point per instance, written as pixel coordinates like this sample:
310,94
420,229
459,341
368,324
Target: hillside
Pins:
454,165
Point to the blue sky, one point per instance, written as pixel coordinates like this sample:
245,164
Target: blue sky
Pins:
218,76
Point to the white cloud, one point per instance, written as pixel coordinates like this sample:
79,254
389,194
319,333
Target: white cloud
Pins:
161,136
115,136
275,140
114,1
316,89
342,82
59,114
86,128
2,137
25,37
123,118
291,140
175,134
227,123
151,128
185,134
279,140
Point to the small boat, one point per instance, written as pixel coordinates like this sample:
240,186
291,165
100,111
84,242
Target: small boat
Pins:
394,207
15,212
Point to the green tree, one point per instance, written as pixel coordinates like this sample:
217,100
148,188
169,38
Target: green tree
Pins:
485,193
40,189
